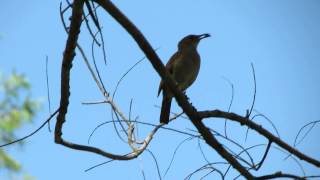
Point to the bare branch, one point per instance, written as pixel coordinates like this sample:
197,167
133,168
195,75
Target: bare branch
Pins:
255,91
254,97
230,104
48,91
260,130
128,126
313,123
68,56
268,119
174,153
32,133
155,161
285,175
180,97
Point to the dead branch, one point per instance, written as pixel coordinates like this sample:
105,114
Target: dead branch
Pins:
258,128
180,97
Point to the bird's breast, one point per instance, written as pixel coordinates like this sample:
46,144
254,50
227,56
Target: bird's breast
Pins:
186,69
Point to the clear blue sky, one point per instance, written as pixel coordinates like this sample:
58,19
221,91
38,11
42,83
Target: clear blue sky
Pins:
281,39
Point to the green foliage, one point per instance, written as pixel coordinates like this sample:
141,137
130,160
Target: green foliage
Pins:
16,109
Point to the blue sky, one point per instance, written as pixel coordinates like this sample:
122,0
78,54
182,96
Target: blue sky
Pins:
281,39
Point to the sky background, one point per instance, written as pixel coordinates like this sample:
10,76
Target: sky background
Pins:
281,39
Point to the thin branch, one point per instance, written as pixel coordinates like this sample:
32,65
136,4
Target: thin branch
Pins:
122,77
90,31
269,120
95,64
254,98
255,90
98,165
96,20
258,128
143,123
48,91
236,144
155,161
264,156
313,123
230,104
32,133
62,19
202,152
292,158
68,56
174,154
208,166
179,96
92,15
285,175
100,85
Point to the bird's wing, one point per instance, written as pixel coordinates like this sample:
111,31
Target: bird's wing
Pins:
170,67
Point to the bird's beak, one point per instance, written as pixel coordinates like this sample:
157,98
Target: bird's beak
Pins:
202,36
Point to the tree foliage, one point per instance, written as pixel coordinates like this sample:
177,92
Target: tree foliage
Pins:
17,108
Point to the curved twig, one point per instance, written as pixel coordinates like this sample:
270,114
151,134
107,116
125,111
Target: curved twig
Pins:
255,91
230,104
269,120
313,123
181,98
258,128
254,98
143,123
208,166
156,162
174,153
32,133
48,92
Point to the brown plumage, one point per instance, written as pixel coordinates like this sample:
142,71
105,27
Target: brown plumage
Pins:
184,67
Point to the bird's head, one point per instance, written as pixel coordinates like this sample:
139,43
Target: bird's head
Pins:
191,41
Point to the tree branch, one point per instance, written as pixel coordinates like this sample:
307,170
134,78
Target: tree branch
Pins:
68,56
180,97
258,128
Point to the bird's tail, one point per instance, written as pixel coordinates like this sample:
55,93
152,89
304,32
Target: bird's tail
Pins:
165,109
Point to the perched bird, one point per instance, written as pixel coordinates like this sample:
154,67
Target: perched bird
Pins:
183,67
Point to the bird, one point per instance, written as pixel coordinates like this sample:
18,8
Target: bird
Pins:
183,66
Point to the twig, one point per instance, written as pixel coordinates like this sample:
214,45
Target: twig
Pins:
269,120
255,90
260,130
179,96
98,165
208,166
174,154
48,91
254,98
264,156
143,123
32,133
313,123
155,161
230,104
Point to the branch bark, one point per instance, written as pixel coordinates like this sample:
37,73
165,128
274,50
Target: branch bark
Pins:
258,128
68,56
195,116
180,97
